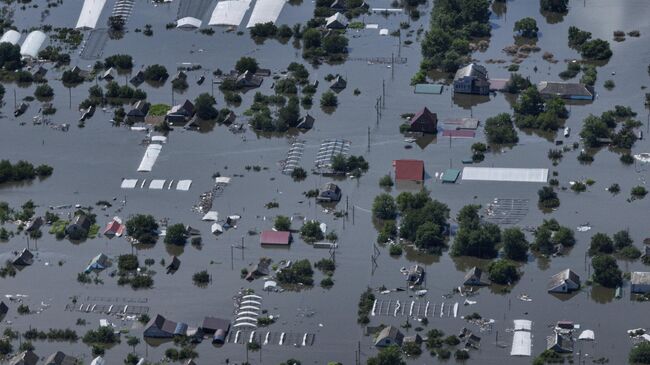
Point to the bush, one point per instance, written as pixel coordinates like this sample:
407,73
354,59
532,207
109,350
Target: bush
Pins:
606,271
155,73
127,262
176,235
329,100
298,174
327,282
547,198
384,207
44,91
386,181
298,273
500,130
503,272
142,228
640,354
101,336
395,250
638,192
201,278
310,232
327,266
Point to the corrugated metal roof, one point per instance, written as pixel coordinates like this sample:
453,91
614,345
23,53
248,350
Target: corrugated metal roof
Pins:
428,88
409,170
505,174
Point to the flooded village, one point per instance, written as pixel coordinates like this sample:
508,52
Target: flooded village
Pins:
324,182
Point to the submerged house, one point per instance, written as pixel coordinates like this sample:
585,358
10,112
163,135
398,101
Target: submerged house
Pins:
80,223
306,122
139,110
640,282
24,358
160,327
181,113
217,327
565,90
472,79
275,238
415,275
389,336
248,80
336,21
174,265
109,74
412,170
259,270
329,193
60,358
339,83
98,263
25,258
114,228
564,282
34,224
559,343
138,79
475,277
424,121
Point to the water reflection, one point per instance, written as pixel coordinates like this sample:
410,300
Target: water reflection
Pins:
601,294
467,101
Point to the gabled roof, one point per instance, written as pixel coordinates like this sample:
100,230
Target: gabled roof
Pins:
114,228
392,333
559,343
306,122
424,116
186,107
337,20
409,170
25,358
475,274
331,187
471,70
564,89
25,258
275,238
212,324
564,275
59,358
338,83
162,324
81,220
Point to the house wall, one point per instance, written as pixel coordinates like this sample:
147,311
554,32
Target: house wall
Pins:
640,288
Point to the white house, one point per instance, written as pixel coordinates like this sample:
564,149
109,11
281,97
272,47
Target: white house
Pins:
564,282
640,282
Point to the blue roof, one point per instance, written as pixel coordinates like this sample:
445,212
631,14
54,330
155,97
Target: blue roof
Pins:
428,88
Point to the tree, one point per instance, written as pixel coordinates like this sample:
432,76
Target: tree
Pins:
246,64
176,235
289,114
429,237
601,244
500,130
391,355
116,23
299,272
329,100
564,236
503,272
43,91
204,105
517,83
133,342
543,240
473,237
310,232
593,130
606,271
335,44
622,239
5,347
121,61
155,73
10,58
384,207
311,38
143,228
596,49
515,245
556,6
527,27
640,353
282,223
577,37
530,102
547,198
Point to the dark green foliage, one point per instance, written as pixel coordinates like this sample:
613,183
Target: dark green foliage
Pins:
201,277
282,223
299,272
640,353
515,245
556,6
384,207
310,232
578,37
10,58
155,73
596,49
517,83
475,238
606,271
391,355
143,228
500,130
548,198
327,266
503,272
204,105
101,336
329,100
527,27
366,302
298,174
176,235
263,30
246,64
22,170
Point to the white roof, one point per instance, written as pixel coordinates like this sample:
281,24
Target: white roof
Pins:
183,185
90,12
230,12
521,344
98,361
157,184
32,44
523,325
211,216
222,180
270,284
216,228
150,157
505,174
383,31
188,22
587,335
265,11
10,36
129,183
372,26
161,139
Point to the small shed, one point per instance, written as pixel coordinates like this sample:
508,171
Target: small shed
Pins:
109,75
389,336
275,238
139,110
137,79
424,121
475,277
34,224
306,122
339,83
640,282
564,282
409,170
329,193
25,258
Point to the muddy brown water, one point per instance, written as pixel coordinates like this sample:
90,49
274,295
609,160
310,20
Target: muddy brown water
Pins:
89,164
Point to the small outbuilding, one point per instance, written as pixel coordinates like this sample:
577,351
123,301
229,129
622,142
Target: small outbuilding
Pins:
137,79
98,263
559,343
25,258
160,327
336,21
564,282
248,80
640,282
174,265
475,277
114,228
217,327
306,122
34,224
275,238
81,222
339,83
329,193
424,121
139,110
389,336
409,170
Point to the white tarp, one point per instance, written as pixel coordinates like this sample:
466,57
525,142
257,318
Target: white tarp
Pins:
150,157
188,22
523,325
32,44
211,216
587,335
157,184
10,36
521,344
265,11
183,185
230,12
505,174
216,228
222,180
129,183
90,12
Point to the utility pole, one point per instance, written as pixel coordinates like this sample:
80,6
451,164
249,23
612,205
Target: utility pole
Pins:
242,248
383,93
232,257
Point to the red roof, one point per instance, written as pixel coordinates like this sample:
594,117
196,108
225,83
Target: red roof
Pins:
458,133
409,170
275,238
114,228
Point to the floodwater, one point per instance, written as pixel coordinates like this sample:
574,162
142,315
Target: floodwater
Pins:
90,162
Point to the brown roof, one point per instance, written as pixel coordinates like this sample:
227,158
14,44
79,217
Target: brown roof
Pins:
409,170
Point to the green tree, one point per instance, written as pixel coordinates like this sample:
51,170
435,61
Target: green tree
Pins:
593,130
500,130
530,102
10,58
310,232
282,223
517,83
606,271
143,228
246,64
204,105
596,49
155,73
640,353
543,240
384,207
429,237
43,91
564,236
335,44
391,355
547,198
601,244
556,6
527,27
473,237
622,239
311,38
503,272
133,342
176,235
515,245
329,100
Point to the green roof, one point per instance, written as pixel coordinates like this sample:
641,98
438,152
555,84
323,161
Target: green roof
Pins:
450,176
428,89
